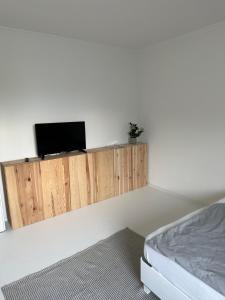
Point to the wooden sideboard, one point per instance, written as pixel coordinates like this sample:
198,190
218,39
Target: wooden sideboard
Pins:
41,189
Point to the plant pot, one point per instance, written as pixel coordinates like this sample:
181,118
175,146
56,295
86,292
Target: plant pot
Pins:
132,140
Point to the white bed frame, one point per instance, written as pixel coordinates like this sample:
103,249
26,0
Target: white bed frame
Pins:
155,282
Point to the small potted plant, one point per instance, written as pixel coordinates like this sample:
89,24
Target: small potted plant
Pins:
134,132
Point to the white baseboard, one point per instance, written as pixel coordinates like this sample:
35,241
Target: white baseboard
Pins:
177,195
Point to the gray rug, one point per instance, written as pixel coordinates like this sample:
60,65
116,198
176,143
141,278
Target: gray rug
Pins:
107,270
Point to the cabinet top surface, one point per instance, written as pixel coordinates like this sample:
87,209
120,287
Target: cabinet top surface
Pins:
69,154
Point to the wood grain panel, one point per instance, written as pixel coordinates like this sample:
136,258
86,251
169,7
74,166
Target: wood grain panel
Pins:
24,194
82,181
123,170
30,192
41,189
55,186
104,174
139,165
15,214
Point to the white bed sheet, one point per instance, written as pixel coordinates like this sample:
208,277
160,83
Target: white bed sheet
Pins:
182,279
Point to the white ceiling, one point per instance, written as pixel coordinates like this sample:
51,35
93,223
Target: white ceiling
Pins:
129,23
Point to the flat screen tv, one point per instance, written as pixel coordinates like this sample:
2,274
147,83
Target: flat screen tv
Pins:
52,138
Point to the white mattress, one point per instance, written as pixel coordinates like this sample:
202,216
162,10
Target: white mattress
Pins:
182,279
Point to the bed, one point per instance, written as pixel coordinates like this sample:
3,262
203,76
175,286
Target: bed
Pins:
186,259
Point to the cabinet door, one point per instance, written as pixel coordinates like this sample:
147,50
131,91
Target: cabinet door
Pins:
104,174
24,194
82,181
139,165
123,170
55,186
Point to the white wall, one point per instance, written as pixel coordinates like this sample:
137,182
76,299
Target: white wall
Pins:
46,78
2,217
182,86
180,99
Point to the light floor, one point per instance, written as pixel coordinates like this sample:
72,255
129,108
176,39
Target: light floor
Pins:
34,247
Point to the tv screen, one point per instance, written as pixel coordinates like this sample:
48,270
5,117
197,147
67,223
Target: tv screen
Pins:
54,138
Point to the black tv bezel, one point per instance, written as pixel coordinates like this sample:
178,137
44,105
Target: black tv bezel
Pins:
42,155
